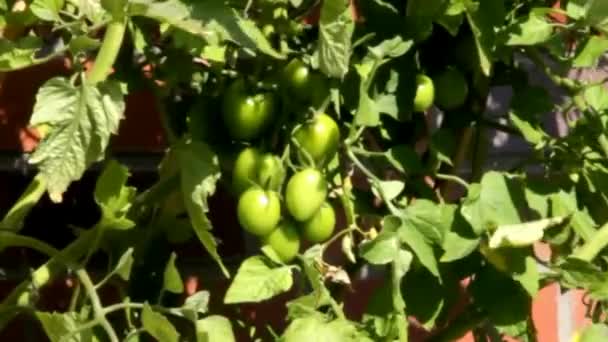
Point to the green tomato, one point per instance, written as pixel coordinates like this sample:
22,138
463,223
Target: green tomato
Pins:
425,93
320,227
451,88
259,211
319,138
246,114
245,169
284,241
297,78
305,193
254,167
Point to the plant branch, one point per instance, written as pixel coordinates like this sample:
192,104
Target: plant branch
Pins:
98,310
452,178
594,246
112,41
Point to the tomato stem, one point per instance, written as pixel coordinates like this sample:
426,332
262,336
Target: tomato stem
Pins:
112,41
594,246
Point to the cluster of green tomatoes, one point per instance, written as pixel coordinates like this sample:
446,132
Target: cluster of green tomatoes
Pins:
281,207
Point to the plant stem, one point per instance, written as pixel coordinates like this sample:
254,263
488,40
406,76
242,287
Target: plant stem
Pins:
9,239
13,221
340,234
374,178
452,178
98,311
594,246
112,41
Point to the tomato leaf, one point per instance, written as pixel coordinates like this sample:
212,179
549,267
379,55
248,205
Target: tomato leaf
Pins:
124,265
47,9
531,132
24,52
423,216
589,55
597,97
256,280
415,240
381,250
312,327
172,281
491,203
580,274
531,30
459,241
523,234
82,119
197,303
199,173
336,27
594,332
58,325
114,197
158,325
214,329
211,20
482,20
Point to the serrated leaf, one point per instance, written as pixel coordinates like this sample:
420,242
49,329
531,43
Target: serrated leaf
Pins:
114,197
92,10
212,20
172,281
523,234
82,119
59,325
415,240
531,30
197,303
459,240
214,329
199,173
158,325
589,55
423,216
391,48
256,281
313,327
336,27
47,9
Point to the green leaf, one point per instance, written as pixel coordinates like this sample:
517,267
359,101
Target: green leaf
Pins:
336,27
415,240
459,240
530,102
47,9
197,303
114,197
404,159
381,250
597,97
492,203
523,234
315,328
531,30
256,281
15,217
199,173
57,325
92,10
83,43
589,55
214,329
22,53
482,19
423,215
391,188
82,118
424,296
172,281
442,145
211,20
579,274
124,265
532,133
158,325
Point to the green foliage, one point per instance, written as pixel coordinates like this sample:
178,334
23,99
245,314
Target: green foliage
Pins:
325,111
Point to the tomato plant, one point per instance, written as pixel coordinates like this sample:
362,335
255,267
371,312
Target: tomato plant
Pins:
307,143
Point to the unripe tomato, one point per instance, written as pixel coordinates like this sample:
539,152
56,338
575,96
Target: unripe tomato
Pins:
306,191
319,138
245,169
451,88
320,227
246,114
252,167
284,241
297,78
425,93
259,211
